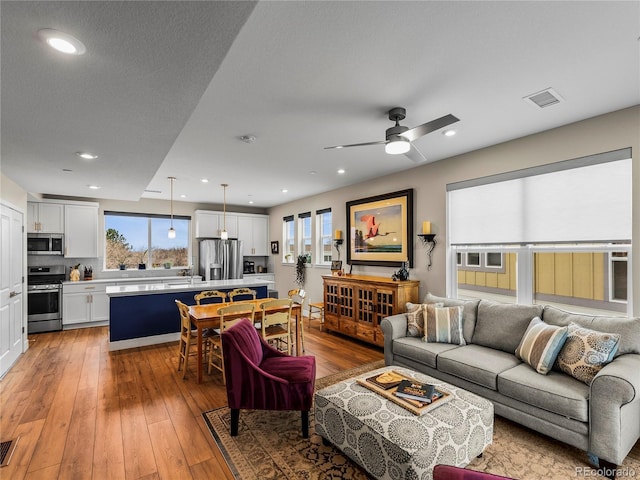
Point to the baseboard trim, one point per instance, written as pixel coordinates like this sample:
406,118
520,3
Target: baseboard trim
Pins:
144,341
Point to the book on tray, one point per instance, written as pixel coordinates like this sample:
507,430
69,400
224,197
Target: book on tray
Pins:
386,380
420,392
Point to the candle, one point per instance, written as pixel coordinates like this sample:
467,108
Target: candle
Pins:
338,235
426,228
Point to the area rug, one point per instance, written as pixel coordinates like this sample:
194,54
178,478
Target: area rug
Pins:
269,446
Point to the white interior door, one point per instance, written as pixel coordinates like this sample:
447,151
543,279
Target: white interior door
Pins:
11,287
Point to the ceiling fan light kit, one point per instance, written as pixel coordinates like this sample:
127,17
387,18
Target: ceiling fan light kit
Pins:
398,138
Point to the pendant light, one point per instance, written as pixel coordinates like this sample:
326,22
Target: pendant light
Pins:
172,232
224,235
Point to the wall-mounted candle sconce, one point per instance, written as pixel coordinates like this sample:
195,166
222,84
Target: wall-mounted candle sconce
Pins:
338,241
428,240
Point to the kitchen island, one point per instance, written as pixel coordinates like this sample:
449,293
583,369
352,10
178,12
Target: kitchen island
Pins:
146,314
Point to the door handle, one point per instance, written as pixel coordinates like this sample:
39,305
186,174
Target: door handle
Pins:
12,294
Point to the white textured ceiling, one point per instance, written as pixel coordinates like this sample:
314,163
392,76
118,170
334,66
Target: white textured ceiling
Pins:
166,88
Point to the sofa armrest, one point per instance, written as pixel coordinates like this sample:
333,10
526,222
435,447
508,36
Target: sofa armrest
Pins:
393,327
614,409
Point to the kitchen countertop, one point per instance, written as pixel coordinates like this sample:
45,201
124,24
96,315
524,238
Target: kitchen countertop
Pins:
156,288
172,279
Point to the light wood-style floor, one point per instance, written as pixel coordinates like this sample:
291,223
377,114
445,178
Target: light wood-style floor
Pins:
84,413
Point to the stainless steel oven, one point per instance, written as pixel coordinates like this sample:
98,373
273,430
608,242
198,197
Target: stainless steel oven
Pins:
44,297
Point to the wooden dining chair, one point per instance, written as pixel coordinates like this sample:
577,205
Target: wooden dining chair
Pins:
241,292
276,326
229,315
213,295
316,312
299,296
186,334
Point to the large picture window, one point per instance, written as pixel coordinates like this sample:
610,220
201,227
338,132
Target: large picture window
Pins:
568,247
140,241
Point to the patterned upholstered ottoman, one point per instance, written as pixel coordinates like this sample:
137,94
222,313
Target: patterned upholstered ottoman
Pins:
389,441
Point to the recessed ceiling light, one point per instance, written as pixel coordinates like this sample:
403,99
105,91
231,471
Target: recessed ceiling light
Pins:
341,171
183,196
449,133
248,138
86,155
284,190
251,202
67,170
63,42
313,172
205,180
94,187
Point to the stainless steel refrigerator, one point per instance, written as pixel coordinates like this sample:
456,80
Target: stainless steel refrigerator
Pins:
220,259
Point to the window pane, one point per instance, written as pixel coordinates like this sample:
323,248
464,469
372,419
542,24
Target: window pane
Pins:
127,240
494,260
165,251
576,281
498,285
619,280
473,259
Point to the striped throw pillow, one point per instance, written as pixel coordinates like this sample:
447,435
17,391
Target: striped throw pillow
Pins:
443,325
541,344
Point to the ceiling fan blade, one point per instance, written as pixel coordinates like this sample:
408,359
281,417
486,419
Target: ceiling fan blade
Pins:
415,155
382,142
421,130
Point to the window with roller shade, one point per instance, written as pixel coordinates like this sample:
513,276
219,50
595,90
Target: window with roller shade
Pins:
305,245
562,232
288,239
324,240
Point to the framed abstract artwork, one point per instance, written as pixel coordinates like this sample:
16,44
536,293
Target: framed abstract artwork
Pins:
380,229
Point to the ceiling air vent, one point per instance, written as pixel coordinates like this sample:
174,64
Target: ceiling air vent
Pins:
543,99
151,191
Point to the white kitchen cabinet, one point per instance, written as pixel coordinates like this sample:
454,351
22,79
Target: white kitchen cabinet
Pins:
209,224
253,230
85,304
81,230
45,217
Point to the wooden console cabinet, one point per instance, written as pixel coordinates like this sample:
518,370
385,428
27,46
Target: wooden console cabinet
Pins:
356,304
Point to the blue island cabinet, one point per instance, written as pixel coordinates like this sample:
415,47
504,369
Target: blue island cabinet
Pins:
147,315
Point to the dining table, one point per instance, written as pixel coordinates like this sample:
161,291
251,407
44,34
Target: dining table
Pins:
207,316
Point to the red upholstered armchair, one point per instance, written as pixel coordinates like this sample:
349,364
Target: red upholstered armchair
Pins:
260,377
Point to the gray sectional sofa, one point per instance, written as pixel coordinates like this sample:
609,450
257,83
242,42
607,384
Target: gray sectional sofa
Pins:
602,418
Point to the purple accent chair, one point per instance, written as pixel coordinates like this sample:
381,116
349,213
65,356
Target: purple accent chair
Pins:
447,472
260,377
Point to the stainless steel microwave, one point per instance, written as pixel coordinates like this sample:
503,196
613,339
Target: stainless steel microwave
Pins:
45,244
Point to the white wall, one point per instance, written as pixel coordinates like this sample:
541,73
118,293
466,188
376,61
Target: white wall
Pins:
599,134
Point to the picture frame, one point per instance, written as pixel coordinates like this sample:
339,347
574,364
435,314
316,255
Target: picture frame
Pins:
336,265
275,247
380,229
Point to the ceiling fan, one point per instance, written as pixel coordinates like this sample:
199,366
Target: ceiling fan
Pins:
399,138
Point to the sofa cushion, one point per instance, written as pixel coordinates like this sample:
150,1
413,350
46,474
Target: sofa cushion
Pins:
416,349
586,351
541,344
555,392
627,328
469,313
501,325
477,364
443,324
415,319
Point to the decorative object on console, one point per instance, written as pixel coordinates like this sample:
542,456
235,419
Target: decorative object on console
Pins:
428,240
402,274
380,228
336,266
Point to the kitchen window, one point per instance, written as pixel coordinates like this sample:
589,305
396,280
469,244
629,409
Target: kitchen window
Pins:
135,240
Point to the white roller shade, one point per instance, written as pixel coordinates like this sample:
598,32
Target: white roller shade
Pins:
583,203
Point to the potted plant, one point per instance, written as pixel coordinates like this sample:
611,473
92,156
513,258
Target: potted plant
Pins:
301,269
142,265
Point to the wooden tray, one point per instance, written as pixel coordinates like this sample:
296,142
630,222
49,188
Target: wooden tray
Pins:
411,405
